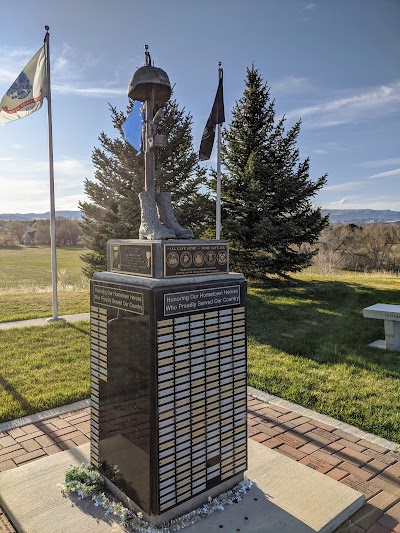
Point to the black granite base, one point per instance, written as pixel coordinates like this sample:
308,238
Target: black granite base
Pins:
168,374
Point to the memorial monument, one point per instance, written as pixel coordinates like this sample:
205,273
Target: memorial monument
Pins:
168,352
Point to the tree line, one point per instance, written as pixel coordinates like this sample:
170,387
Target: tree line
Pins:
352,247
37,232
267,194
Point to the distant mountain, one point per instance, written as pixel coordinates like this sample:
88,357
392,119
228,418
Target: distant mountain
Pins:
362,216
348,216
39,216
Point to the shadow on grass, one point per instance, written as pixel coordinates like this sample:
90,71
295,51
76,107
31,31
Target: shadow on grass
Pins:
73,325
25,405
321,320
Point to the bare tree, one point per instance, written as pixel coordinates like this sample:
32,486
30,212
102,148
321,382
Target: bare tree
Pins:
17,230
347,246
67,231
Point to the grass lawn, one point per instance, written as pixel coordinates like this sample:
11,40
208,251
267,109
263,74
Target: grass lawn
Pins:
25,283
43,367
24,305
307,344
25,267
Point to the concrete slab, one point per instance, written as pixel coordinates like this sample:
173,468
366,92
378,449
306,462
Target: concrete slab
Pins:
287,497
380,343
33,501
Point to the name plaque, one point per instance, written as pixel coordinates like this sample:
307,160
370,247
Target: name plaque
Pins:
132,258
201,299
195,259
117,298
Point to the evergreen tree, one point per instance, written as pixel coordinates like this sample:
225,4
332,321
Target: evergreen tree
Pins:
113,211
267,213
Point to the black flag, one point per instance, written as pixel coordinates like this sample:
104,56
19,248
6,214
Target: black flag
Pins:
217,116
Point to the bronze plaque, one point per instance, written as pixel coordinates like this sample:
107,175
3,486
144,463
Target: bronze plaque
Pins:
134,259
195,259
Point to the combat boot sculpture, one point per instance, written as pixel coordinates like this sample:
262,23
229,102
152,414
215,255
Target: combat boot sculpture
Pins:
168,218
150,225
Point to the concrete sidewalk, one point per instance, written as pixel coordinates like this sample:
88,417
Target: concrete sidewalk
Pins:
43,321
362,461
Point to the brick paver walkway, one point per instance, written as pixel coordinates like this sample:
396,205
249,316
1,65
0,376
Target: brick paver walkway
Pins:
361,464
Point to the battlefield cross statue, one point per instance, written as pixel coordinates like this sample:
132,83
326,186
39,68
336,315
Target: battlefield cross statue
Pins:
151,85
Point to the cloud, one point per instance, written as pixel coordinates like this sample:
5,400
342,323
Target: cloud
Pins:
342,201
12,61
70,71
347,186
320,151
63,168
395,172
310,6
380,163
87,91
372,202
374,102
292,84
17,146
24,183
72,64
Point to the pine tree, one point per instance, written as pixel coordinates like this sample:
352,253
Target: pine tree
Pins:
267,213
113,211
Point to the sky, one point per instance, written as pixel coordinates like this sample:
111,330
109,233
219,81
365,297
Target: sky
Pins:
334,64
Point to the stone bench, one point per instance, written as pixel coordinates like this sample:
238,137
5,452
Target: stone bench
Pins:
391,316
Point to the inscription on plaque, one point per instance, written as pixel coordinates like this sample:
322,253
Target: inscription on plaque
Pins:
117,298
134,259
201,299
195,259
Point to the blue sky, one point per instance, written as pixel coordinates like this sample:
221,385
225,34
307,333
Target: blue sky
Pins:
332,63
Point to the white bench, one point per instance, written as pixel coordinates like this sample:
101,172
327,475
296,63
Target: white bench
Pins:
391,316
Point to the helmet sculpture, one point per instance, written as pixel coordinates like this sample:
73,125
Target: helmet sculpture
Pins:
150,84
145,80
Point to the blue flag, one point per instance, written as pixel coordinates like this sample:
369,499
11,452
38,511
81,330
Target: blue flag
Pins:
132,127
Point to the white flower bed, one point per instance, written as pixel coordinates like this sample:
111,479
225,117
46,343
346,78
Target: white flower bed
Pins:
86,482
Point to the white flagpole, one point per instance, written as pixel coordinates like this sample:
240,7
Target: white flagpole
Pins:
218,203
52,201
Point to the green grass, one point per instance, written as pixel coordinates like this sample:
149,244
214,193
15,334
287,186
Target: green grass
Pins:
307,344
25,267
25,305
307,341
25,283
43,367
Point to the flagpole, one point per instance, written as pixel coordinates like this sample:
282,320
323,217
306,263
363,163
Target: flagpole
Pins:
218,203
51,171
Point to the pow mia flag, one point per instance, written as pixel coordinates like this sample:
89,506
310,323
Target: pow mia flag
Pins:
217,116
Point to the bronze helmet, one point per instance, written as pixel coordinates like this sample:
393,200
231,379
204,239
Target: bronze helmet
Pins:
144,80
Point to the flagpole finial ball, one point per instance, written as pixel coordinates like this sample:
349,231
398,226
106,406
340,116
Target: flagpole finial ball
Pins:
46,28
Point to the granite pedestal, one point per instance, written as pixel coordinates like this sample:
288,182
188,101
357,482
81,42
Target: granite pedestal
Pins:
168,375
